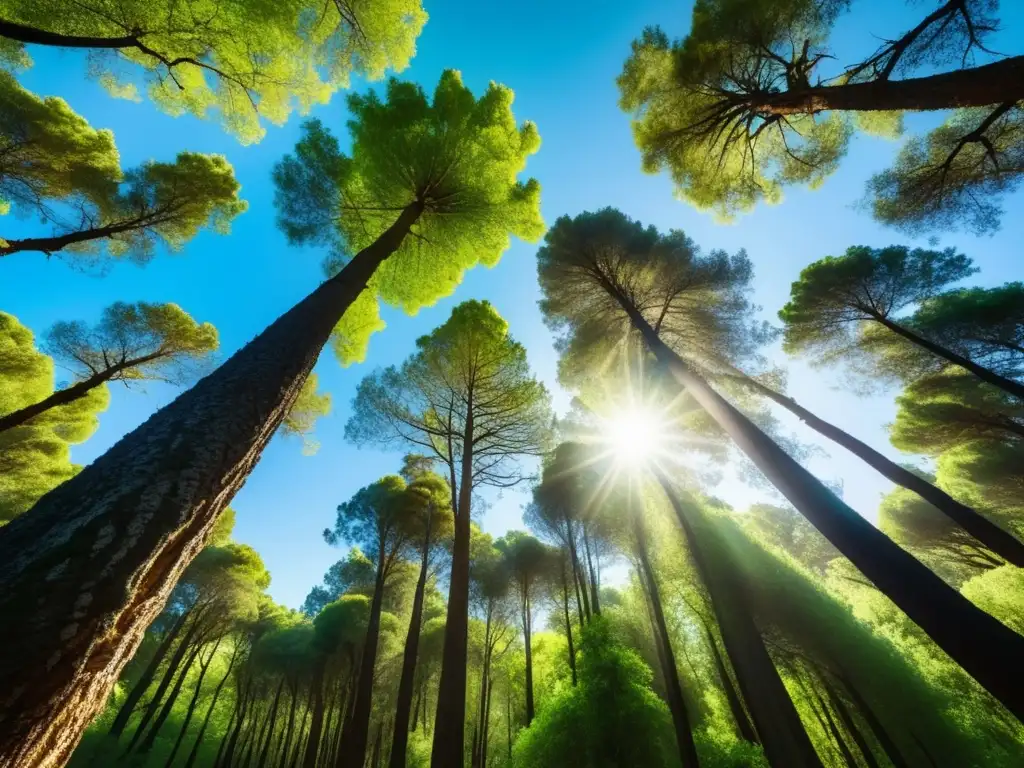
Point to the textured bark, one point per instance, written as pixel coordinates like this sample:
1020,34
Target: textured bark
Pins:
191,760
107,547
317,719
782,734
676,702
982,645
357,730
996,83
1001,542
403,704
183,729
146,679
447,750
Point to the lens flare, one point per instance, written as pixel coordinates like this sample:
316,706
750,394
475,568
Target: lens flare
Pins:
634,435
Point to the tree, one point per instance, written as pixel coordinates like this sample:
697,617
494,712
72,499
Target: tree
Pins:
131,342
246,61
588,270
374,520
430,524
740,108
308,407
468,398
35,458
61,170
353,575
453,206
836,296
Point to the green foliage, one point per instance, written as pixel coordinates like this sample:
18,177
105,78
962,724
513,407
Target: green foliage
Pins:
309,406
36,457
611,718
836,295
1000,592
53,156
455,155
940,181
244,59
372,519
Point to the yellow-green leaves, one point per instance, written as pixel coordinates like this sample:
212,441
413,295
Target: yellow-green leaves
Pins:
245,59
457,155
36,457
308,407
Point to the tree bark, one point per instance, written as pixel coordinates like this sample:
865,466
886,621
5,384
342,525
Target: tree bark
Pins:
982,645
984,530
111,543
447,750
676,702
568,624
357,730
996,83
124,714
776,720
1009,386
209,710
403,705
317,719
183,729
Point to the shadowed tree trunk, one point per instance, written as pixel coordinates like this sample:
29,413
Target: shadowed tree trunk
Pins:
165,711
272,718
879,731
124,714
244,708
209,710
833,729
487,724
984,530
447,750
403,705
289,730
112,542
357,729
317,718
850,724
674,691
527,618
183,729
739,714
299,743
595,589
981,644
580,579
776,721
568,624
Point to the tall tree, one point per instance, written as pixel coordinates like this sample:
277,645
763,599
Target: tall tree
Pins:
131,342
374,519
430,525
468,398
246,61
429,188
35,458
61,170
593,274
741,108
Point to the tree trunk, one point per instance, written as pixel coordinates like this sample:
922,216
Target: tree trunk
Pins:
111,543
50,245
837,736
984,530
231,743
508,715
776,721
209,710
484,673
447,750
990,84
357,731
739,714
487,724
272,717
255,738
183,729
982,645
578,571
289,730
299,744
568,624
676,702
850,724
403,705
317,719
528,648
595,588
165,711
877,729
416,710
124,714
375,760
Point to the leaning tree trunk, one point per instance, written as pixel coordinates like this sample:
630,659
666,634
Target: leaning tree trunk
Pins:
110,544
447,750
877,729
403,706
850,724
190,712
209,710
739,714
997,83
165,711
568,624
676,702
272,718
317,719
984,530
782,733
357,730
124,714
289,730
989,650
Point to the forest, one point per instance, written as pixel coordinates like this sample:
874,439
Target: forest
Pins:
657,403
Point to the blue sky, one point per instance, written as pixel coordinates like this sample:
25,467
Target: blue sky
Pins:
561,60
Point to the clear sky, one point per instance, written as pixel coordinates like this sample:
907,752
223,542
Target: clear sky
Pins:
561,59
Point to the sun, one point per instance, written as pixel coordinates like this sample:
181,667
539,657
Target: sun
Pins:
634,435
